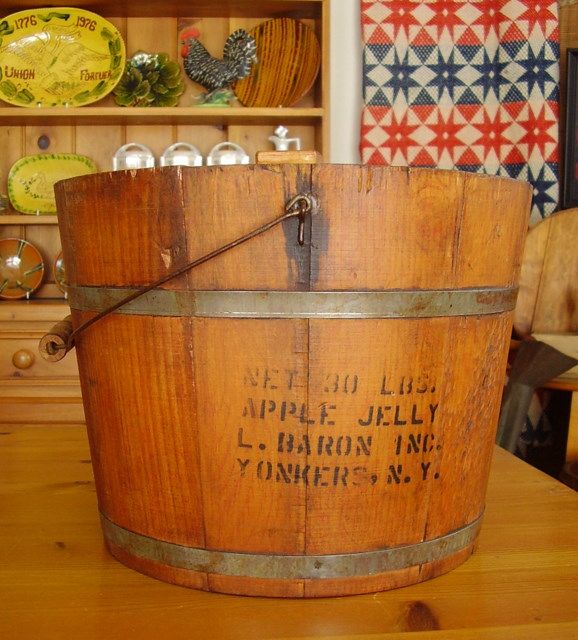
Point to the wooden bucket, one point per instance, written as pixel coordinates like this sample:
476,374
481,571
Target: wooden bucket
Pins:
292,419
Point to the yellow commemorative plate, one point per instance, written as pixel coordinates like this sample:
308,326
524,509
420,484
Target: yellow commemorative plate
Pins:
21,268
31,179
58,57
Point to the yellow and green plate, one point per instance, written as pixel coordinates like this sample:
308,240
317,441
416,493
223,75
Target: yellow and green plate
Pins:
31,179
58,57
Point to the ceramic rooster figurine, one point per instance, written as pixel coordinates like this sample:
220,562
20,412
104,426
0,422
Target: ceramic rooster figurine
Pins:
239,53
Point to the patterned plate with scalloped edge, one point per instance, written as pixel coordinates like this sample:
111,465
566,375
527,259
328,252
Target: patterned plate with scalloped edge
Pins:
58,57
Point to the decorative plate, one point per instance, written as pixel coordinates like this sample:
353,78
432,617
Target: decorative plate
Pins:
21,268
31,179
58,57
289,57
60,272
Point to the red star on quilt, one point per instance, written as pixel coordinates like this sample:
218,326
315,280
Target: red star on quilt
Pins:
466,85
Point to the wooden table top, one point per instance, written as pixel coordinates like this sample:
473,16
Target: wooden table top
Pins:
57,580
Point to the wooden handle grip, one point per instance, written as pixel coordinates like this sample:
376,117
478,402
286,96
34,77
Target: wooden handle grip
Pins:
54,345
288,157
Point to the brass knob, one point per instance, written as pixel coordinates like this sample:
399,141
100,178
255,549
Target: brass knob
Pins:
23,359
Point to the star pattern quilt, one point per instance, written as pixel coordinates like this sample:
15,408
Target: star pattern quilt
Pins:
467,85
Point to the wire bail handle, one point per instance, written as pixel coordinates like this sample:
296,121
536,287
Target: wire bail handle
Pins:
56,344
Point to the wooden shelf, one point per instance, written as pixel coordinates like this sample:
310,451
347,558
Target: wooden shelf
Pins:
98,130
17,218
200,8
23,116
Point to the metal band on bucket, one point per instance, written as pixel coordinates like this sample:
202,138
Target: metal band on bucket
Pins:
290,567
299,304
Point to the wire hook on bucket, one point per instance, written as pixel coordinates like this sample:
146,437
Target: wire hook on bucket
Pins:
60,340
302,205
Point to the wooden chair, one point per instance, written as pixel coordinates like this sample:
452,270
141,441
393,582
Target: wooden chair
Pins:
546,321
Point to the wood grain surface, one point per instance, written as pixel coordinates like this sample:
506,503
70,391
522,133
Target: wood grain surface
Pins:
58,581
548,298
293,436
288,61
